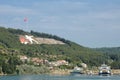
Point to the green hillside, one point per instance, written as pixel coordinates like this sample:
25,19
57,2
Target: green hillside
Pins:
113,54
11,48
112,50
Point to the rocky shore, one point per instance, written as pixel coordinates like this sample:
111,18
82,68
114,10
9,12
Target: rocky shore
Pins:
60,72
67,72
116,71
89,72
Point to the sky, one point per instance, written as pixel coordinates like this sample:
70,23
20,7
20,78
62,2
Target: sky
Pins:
90,23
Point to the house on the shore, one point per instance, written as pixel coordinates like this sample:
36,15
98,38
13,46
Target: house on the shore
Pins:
37,61
58,63
23,58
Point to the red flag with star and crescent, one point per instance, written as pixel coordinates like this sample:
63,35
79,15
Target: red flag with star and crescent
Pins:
25,19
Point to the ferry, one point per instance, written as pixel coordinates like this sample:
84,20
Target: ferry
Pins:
77,70
104,70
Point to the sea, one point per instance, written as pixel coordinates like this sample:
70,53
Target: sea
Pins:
60,77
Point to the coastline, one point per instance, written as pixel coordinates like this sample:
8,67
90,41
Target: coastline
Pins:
88,72
67,72
60,72
116,71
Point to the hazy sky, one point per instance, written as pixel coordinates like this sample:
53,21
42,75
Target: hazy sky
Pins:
91,23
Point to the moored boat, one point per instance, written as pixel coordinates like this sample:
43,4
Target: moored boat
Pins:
104,70
77,70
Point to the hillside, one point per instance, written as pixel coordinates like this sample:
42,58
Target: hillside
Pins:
113,54
45,53
112,50
30,39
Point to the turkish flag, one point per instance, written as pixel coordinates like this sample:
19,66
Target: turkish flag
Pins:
25,19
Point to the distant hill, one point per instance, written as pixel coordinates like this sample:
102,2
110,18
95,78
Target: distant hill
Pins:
112,50
113,54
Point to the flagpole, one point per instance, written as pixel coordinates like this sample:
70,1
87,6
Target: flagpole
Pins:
26,21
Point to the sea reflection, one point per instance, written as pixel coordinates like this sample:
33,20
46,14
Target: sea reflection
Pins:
60,77
25,78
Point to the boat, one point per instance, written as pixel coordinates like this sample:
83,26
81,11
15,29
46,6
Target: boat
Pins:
77,70
104,70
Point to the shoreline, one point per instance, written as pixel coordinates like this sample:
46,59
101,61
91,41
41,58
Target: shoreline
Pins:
115,71
67,72
94,72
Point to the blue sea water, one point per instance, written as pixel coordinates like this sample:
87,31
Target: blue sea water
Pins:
60,77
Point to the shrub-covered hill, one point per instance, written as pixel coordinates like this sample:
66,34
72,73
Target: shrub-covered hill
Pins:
113,54
109,50
11,48
73,53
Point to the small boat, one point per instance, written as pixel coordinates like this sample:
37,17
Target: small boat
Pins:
104,70
77,70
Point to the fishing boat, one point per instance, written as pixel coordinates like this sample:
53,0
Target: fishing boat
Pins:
77,70
104,70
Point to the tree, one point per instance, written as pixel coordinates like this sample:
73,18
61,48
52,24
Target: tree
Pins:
115,65
8,69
